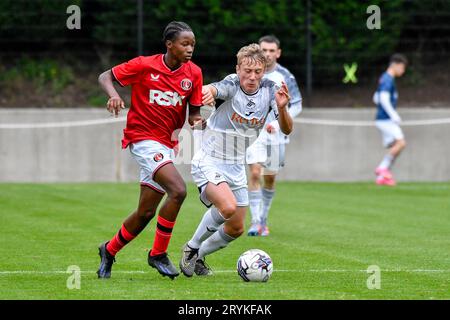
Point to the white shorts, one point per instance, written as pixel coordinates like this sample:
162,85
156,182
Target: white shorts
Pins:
151,156
270,156
390,132
207,169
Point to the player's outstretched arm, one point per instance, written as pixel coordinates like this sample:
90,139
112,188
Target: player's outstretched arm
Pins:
284,118
115,102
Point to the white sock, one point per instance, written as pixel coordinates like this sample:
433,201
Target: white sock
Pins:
387,161
267,197
255,198
215,242
211,221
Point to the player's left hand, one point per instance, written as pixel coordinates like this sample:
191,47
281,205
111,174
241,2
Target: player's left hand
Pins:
197,122
282,96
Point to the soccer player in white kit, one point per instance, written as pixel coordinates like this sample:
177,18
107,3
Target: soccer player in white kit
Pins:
266,156
387,119
218,168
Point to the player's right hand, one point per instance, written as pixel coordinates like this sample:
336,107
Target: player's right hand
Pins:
114,105
197,122
397,119
270,128
282,96
207,96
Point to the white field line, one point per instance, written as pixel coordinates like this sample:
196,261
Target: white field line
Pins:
327,122
50,272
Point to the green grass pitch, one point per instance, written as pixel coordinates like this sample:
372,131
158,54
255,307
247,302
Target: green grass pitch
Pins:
324,237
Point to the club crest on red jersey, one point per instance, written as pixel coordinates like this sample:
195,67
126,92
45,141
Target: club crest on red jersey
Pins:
186,84
158,157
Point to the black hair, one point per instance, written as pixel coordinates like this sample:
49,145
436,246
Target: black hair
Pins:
398,58
173,29
270,39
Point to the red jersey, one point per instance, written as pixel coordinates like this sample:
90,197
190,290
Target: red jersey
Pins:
158,98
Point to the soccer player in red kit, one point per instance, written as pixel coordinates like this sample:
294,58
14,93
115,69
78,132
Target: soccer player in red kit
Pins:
161,87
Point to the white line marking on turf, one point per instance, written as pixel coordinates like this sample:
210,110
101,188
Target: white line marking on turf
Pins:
343,271
62,272
232,271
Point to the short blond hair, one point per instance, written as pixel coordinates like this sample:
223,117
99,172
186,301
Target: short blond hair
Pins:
253,53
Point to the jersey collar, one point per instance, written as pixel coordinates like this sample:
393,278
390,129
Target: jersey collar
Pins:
165,65
249,94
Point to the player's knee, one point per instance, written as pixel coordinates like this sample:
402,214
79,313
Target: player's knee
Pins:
269,182
236,230
255,171
402,144
399,145
178,193
146,214
254,177
228,209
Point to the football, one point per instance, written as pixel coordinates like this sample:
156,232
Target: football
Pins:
254,265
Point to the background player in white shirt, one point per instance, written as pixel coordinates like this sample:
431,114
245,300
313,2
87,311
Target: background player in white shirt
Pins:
387,118
266,155
218,168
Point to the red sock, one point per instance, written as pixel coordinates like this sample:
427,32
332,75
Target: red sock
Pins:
119,241
162,236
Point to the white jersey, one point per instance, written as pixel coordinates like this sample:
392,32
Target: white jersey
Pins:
236,123
278,75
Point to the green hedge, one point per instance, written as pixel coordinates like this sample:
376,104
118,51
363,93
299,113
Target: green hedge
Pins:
109,29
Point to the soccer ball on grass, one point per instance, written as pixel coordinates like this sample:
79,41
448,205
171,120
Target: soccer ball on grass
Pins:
255,265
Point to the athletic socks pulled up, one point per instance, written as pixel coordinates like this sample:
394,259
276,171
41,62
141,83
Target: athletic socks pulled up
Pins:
211,221
119,241
387,162
267,197
162,236
255,198
216,241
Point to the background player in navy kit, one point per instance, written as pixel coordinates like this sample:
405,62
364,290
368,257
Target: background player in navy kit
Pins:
266,155
387,118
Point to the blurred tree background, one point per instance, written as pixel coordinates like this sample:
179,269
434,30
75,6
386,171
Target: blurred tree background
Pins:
58,67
